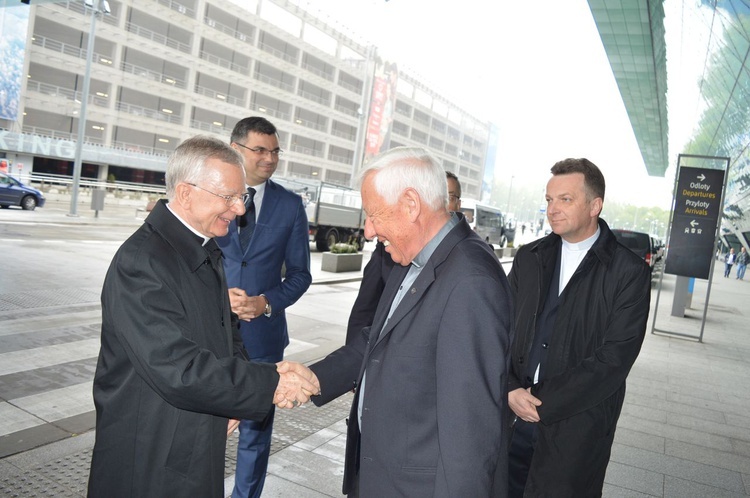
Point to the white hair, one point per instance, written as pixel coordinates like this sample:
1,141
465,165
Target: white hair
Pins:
408,167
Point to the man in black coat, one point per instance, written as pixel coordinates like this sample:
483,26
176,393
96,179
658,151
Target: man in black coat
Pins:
581,306
172,369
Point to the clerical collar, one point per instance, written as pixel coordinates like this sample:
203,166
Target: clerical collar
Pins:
424,255
583,245
196,232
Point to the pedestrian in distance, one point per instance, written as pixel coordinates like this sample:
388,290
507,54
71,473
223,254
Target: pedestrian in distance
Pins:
741,261
728,262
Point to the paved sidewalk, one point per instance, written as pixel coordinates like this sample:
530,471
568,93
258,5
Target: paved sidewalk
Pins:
684,430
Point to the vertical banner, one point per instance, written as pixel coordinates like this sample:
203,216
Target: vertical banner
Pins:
14,22
382,107
695,220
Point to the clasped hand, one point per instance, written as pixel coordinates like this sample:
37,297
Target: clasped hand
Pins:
524,404
244,306
296,384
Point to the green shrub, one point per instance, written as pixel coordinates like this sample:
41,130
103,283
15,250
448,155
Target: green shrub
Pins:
344,248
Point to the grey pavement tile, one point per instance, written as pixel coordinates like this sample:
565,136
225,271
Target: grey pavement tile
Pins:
746,480
701,454
706,475
709,426
634,479
638,387
668,431
40,380
335,449
638,439
277,487
610,491
59,403
21,361
314,441
719,406
645,411
681,488
27,439
738,420
57,335
736,398
669,407
741,447
308,469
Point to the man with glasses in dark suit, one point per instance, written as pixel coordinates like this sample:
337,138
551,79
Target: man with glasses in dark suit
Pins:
273,233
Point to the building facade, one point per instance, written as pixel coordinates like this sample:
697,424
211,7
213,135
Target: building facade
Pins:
163,71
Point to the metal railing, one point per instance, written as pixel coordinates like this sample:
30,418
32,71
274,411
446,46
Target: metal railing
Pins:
149,113
178,7
57,91
213,59
67,181
271,112
278,53
152,75
274,82
213,23
157,37
309,67
202,90
71,50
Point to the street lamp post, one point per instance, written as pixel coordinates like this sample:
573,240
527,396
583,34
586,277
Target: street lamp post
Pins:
510,190
96,7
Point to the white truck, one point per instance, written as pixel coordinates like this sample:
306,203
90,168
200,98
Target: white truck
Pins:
334,212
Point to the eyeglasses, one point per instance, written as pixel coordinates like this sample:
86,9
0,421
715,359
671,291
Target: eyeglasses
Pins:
262,151
453,197
228,199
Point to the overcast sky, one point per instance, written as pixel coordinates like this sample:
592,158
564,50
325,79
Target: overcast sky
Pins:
537,70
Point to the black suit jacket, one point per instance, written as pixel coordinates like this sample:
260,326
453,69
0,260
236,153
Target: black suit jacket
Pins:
435,400
171,368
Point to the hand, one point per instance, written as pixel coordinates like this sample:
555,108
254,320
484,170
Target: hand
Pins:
246,307
232,426
296,384
524,404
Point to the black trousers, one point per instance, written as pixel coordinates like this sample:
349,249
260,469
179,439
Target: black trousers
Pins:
519,457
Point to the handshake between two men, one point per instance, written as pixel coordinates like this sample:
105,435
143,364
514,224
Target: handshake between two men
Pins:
297,384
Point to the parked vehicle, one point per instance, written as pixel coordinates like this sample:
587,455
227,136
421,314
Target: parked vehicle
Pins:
658,246
15,193
334,212
487,221
638,242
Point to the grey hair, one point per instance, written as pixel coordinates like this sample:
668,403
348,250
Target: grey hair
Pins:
187,162
408,167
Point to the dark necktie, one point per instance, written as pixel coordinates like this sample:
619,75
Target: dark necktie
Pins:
247,222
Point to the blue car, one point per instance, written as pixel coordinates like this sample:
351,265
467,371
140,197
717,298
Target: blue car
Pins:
15,193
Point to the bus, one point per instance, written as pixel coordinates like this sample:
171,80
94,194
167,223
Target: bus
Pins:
487,221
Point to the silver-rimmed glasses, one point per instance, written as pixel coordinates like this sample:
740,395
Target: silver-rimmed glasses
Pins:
228,199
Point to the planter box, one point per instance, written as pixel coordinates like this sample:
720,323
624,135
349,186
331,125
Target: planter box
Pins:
337,263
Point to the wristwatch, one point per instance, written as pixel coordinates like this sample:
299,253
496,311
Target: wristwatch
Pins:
267,311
